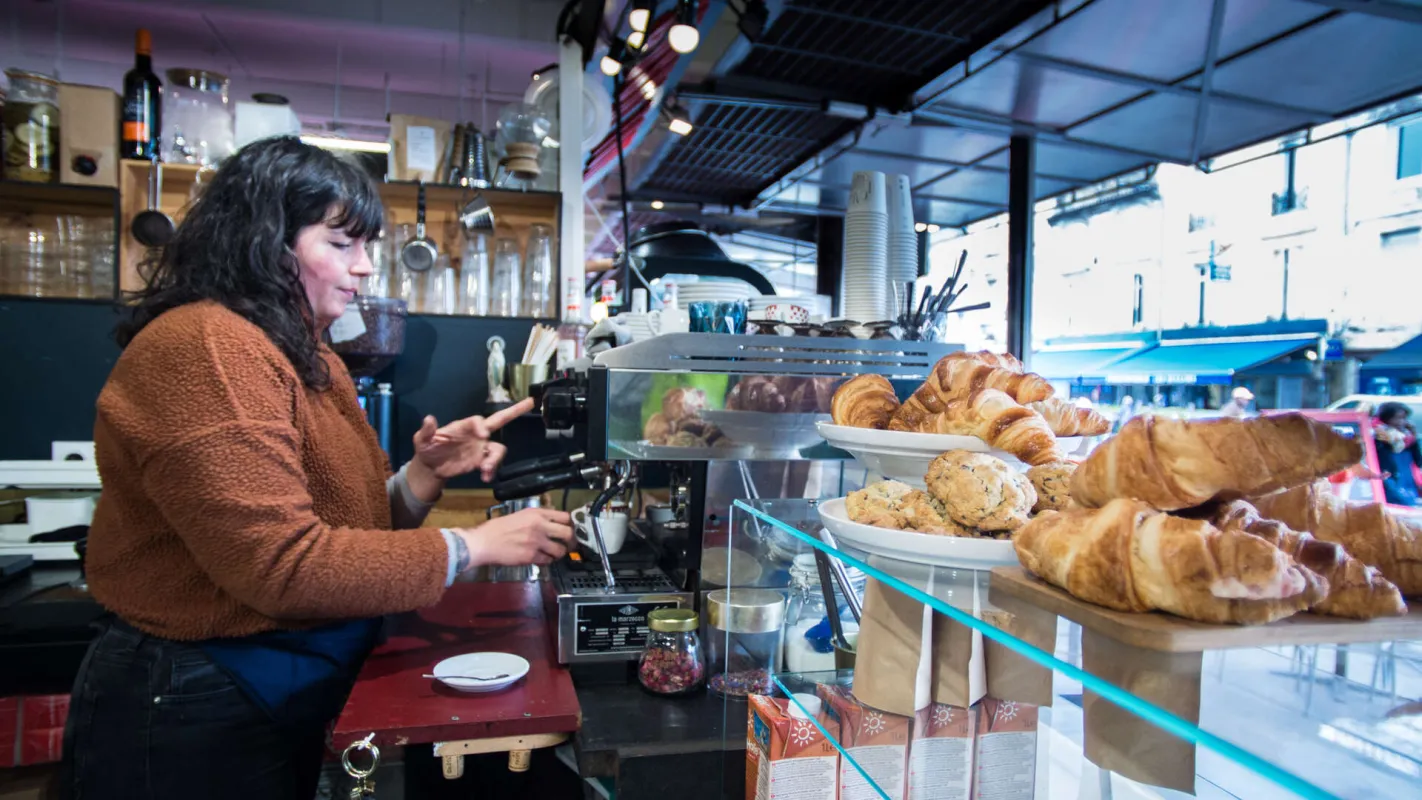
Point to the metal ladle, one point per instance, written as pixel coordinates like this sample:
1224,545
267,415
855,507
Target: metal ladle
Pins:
151,227
419,254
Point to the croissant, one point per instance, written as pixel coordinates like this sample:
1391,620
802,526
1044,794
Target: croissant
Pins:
1067,419
864,402
1173,464
1005,361
1370,532
957,378
1000,421
1130,557
1355,589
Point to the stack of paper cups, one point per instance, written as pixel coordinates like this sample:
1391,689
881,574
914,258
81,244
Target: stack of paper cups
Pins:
866,249
903,242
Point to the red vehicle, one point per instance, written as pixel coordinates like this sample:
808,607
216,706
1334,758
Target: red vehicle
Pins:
1356,424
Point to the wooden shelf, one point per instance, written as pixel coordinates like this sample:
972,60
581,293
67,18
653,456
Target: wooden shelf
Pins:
514,212
57,198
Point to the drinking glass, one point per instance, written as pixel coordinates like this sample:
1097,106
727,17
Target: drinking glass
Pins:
382,262
474,276
439,295
504,293
538,272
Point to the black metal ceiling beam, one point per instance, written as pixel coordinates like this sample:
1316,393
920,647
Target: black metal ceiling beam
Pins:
877,23
971,119
1375,8
948,162
967,201
1207,78
1160,87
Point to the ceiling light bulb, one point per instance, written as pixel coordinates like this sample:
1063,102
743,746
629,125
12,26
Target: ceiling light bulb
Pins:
610,66
658,205
680,126
932,228
920,226
649,89
683,38
640,17
635,40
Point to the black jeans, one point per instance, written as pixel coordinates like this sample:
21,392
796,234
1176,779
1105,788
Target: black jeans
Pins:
154,719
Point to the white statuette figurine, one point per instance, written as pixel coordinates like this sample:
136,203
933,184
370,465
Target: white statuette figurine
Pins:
495,375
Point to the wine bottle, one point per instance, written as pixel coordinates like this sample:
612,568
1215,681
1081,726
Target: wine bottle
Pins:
142,103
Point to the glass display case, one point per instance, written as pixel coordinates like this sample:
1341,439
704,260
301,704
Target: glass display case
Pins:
989,693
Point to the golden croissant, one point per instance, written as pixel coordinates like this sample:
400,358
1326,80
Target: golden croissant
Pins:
1067,419
1355,589
867,401
1173,464
1000,421
1371,532
957,377
1130,557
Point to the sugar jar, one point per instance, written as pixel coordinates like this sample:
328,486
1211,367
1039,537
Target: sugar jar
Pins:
671,661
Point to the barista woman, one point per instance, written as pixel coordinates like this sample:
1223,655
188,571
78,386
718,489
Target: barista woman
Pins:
250,536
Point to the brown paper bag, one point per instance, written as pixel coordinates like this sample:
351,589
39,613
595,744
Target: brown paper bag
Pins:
1118,740
1011,676
959,674
890,649
419,148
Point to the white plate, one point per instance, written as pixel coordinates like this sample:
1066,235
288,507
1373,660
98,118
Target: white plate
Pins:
665,452
967,552
903,456
769,431
489,664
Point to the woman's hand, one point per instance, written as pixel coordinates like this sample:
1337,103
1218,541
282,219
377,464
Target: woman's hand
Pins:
462,447
531,536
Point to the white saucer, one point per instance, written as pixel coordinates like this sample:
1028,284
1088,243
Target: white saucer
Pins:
515,667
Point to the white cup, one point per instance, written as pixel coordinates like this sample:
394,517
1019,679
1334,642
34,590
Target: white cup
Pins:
639,301
614,529
669,320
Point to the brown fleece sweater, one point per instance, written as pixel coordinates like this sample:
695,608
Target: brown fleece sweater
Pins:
235,499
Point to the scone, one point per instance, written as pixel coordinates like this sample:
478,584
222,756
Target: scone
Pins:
1052,482
878,504
981,491
925,514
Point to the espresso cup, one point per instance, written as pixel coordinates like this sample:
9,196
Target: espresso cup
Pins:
613,524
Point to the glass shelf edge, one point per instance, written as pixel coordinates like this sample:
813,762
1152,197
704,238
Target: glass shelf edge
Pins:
1120,697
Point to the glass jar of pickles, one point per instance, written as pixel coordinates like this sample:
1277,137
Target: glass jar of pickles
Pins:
31,127
671,662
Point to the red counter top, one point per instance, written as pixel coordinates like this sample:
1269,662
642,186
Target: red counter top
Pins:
400,707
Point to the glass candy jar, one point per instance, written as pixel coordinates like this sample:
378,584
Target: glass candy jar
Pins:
671,662
743,640
31,128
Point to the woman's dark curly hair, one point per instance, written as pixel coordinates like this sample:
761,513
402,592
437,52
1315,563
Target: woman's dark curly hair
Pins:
234,245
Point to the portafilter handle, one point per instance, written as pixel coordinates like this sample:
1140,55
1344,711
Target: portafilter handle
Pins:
536,483
542,464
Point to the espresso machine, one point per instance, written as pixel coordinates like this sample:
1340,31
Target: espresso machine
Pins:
602,412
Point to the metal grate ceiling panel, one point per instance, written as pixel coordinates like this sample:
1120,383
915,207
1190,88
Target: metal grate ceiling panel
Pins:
875,54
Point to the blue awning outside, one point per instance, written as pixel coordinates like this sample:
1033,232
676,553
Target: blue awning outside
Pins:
1082,365
1407,355
1202,362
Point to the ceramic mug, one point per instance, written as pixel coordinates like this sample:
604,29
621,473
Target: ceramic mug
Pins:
784,312
669,320
613,524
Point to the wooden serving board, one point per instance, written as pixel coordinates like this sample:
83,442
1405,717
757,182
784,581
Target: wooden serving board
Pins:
1171,634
